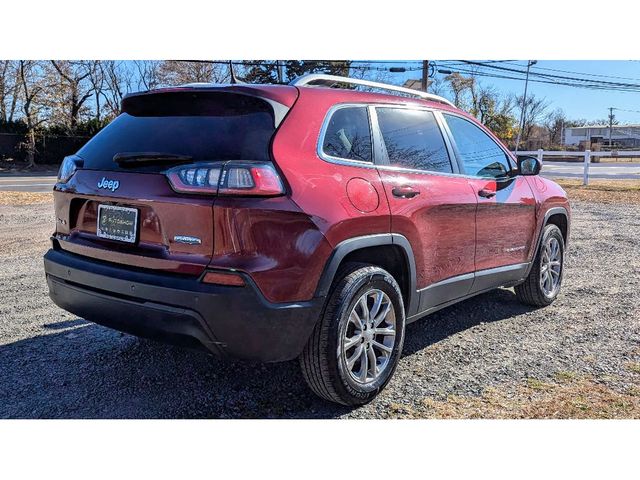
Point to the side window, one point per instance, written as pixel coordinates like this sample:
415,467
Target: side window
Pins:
348,135
479,153
413,139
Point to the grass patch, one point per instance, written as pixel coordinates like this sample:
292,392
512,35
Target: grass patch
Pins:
566,376
634,367
535,384
24,198
575,397
603,191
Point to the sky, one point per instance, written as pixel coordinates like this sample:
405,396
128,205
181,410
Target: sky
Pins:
577,103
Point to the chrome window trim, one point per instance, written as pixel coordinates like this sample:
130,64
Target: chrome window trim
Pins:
458,156
323,130
380,151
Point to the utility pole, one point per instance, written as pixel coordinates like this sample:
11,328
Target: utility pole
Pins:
524,103
279,66
425,75
232,76
611,109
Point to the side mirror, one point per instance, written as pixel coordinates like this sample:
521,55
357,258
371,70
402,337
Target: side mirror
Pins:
529,166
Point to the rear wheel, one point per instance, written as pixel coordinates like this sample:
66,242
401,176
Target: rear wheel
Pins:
357,343
542,285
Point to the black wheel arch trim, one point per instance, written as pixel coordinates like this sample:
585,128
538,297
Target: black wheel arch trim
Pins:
548,214
358,243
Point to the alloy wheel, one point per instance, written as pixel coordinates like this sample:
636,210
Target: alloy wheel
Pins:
551,267
369,336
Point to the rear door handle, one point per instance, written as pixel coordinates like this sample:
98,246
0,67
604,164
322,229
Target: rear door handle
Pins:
486,193
405,191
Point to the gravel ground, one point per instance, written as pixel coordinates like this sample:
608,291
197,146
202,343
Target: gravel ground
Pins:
54,365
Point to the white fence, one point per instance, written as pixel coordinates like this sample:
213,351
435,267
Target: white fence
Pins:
587,154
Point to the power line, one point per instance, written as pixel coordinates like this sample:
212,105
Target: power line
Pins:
624,110
459,66
576,73
559,77
552,82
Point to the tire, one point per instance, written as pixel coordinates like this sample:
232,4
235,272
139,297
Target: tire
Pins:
325,359
532,291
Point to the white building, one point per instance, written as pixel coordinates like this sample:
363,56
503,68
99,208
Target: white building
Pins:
621,135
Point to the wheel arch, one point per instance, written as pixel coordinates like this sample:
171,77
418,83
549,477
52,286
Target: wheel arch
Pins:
390,251
558,216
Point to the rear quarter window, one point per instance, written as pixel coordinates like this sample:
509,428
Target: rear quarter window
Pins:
347,135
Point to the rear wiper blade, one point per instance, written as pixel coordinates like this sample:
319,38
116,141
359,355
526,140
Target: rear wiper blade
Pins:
136,158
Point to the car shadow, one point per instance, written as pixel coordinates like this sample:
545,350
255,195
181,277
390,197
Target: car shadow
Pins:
489,307
83,370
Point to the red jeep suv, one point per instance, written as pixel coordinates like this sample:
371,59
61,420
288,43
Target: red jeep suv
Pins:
271,222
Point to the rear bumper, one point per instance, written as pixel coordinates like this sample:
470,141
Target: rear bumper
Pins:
233,321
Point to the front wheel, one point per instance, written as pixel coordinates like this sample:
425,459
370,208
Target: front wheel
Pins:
542,285
356,345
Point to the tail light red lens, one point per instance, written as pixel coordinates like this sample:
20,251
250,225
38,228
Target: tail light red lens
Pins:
230,178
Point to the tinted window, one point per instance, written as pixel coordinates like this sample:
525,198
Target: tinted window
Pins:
413,139
348,135
480,154
205,127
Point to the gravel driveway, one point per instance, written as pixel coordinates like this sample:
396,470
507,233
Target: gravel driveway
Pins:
53,364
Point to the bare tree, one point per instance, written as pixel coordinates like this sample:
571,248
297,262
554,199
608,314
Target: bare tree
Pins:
179,72
73,82
365,72
555,122
98,83
148,73
438,86
534,109
117,83
459,85
33,84
9,89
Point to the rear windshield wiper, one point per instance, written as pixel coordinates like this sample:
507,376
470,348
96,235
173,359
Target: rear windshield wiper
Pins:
126,159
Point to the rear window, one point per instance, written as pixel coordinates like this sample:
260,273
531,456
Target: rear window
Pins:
205,126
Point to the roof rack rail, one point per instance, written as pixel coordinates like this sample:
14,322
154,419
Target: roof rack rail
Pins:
333,79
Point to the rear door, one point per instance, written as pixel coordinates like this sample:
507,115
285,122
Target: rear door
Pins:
430,205
128,212
506,206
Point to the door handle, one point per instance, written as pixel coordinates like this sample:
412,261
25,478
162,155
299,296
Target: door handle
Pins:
486,193
405,191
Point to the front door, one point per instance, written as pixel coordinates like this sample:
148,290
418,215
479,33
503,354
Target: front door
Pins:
506,216
430,205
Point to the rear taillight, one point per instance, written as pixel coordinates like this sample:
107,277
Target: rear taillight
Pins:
230,178
68,167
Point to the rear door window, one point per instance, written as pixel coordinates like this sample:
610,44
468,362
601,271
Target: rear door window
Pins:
413,139
347,135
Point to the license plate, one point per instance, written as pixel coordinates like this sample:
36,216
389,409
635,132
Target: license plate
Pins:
117,223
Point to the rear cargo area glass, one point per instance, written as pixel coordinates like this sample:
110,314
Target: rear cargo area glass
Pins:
205,126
